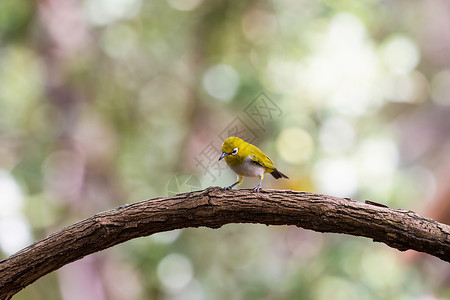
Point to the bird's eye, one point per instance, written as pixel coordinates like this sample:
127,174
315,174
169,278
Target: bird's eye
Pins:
235,151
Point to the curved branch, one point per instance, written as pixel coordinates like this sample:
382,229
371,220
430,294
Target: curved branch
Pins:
214,207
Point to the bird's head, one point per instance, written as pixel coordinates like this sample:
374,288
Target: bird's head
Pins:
233,150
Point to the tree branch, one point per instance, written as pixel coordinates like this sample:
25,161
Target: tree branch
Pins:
215,207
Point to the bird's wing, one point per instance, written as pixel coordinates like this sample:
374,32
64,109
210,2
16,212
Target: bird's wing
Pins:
258,157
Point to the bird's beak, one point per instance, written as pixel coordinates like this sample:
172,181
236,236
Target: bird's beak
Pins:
223,155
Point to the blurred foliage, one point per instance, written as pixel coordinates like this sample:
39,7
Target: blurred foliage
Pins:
107,102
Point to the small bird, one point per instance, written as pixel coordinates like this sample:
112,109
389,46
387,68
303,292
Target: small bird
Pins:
247,160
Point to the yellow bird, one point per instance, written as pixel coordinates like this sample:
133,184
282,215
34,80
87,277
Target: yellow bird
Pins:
247,160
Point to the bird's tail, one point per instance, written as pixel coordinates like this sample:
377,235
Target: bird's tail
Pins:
277,174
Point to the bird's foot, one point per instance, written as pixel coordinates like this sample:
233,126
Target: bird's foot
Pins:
257,188
229,188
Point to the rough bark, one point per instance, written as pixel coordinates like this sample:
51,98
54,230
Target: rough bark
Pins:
215,207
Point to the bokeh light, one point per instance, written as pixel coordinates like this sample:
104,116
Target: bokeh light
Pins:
167,237
184,5
175,272
221,81
102,12
15,234
11,197
15,231
337,177
119,41
337,135
377,159
295,145
400,54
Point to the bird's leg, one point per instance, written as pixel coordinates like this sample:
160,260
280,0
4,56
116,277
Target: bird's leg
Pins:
258,187
239,181
231,186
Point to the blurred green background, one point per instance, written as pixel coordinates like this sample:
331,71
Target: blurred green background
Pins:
108,102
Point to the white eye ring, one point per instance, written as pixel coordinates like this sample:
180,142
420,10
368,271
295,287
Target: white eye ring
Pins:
235,151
